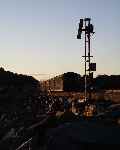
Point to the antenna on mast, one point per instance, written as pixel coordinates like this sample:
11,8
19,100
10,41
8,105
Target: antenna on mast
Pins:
88,29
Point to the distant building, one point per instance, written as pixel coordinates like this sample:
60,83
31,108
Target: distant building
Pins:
56,83
53,84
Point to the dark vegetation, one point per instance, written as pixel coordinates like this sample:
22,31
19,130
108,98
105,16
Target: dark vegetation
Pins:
75,82
19,102
72,81
106,82
16,90
22,103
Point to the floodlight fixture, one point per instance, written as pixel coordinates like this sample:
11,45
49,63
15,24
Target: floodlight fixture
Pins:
81,24
80,29
87,19
91,28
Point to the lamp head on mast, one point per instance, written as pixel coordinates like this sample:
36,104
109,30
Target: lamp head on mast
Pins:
84,25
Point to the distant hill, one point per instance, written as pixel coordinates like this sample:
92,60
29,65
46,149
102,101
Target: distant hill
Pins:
16,89
10,78
106,82
71,81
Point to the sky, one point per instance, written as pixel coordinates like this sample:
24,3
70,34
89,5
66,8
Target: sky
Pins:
39,36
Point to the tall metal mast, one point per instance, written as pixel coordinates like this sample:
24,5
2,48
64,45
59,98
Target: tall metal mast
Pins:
86,27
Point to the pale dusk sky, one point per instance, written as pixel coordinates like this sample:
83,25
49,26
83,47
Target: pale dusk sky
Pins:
39,36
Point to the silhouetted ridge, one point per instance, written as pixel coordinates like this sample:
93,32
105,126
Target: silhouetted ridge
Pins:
7,77
71,81
107,82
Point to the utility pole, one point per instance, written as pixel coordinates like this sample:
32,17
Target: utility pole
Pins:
86,27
